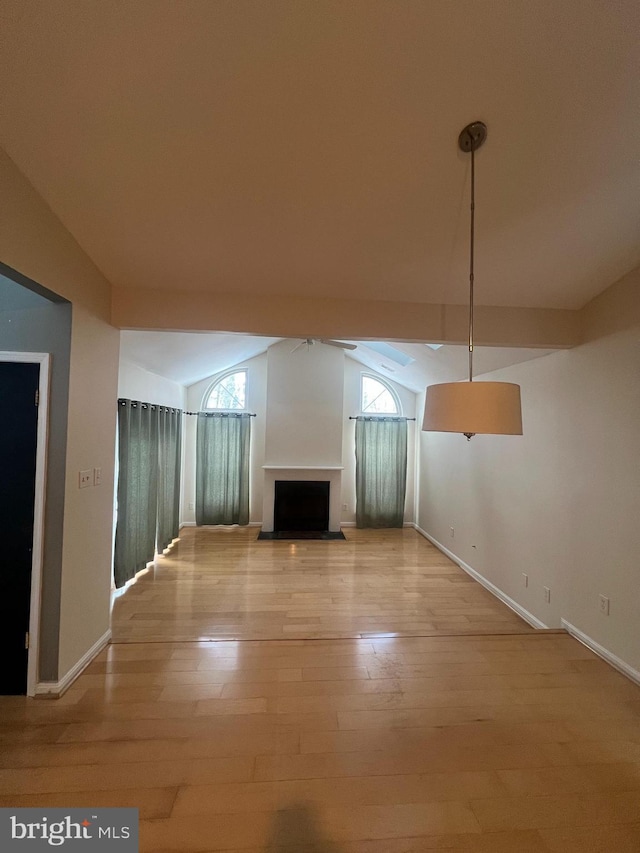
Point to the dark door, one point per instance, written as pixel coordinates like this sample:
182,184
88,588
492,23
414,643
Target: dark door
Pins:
18,436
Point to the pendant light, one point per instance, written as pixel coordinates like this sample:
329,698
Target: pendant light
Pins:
473,407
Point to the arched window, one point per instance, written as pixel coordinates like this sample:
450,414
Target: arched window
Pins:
228,392
378,398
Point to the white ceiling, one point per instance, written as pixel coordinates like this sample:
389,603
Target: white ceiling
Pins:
187,358
311,147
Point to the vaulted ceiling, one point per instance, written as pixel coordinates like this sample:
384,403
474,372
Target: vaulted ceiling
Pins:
187,358
310,148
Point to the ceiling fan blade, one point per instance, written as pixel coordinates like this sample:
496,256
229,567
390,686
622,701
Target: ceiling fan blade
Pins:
339,344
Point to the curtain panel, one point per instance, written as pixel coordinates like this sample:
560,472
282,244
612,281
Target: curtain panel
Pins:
381,471
137,489
169,461
148,494
222,468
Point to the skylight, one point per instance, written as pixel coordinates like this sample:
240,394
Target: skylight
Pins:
390,352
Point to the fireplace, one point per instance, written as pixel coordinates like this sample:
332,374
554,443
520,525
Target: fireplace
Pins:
301,505
329,475
301,502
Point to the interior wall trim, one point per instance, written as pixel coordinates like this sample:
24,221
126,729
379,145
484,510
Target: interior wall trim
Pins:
493,589
605,654
55,689
37,550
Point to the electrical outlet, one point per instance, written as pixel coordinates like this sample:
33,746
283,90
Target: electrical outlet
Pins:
97,476
547,595
85,478
344,506
525,579
604,604
452,532
192,505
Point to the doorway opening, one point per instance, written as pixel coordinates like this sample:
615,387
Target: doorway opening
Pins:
35,332
24,388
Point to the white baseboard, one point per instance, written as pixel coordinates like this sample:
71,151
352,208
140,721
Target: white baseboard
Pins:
353,524
55,689
493,589
259,524
193,524
605,654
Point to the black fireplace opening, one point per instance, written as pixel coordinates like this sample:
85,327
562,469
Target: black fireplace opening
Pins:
301,505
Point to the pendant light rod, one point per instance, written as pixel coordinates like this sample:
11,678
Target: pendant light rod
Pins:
488,408
471,247
470,139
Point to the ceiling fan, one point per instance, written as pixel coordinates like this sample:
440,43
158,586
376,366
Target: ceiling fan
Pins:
311,341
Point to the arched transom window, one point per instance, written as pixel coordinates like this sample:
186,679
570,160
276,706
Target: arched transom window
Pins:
377,398
228,393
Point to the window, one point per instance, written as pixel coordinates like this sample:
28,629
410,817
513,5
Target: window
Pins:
377,398
228,393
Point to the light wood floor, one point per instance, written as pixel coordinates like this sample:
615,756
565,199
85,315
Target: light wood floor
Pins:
483,743
224,584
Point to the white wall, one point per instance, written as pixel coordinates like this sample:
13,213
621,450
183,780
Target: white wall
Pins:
352,373
84,616
136,383
304,405
562,502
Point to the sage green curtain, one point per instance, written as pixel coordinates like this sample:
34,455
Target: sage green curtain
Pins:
381,471
137,489
222,468
169,451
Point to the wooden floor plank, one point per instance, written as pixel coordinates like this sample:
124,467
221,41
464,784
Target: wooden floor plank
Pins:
359,697
225,584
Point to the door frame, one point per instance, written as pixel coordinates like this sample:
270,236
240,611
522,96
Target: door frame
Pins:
37,554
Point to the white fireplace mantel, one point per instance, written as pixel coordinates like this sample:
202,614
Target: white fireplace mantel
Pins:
303,467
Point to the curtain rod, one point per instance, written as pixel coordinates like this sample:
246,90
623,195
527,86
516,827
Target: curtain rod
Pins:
380,418
122,401
223,414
